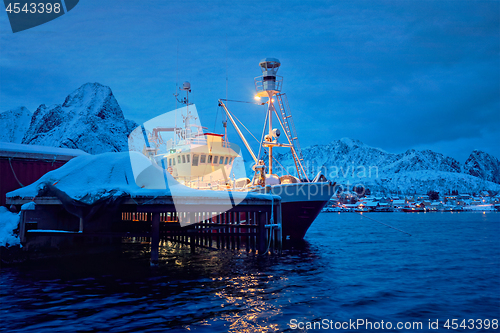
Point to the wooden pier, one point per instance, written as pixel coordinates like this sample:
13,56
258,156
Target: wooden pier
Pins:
253,225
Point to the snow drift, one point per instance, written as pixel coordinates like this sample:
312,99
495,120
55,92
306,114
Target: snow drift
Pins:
8,223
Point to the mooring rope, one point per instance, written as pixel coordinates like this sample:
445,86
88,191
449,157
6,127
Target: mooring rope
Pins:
271,231
14,173
384,224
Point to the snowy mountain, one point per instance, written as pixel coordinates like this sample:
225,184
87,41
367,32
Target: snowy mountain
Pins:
352,163
14,124
90,119
484,166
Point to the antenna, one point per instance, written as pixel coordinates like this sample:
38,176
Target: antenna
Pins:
225,122
176,95
226,70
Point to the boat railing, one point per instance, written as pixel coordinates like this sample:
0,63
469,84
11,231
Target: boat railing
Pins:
262,83
202,140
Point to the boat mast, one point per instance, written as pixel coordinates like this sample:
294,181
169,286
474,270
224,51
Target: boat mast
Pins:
267,86
270,110
186,86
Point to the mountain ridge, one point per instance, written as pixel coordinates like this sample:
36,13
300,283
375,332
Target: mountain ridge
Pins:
89,119
351,162
14,123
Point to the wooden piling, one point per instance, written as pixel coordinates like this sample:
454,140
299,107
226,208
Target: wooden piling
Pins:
262,241
155,238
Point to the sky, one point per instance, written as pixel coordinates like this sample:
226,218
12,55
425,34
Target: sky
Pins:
394,74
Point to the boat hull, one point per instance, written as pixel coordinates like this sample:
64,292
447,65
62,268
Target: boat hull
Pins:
297,217
301,203
415,210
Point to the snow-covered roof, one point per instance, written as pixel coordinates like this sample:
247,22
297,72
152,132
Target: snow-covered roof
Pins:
9,149
94,176
351,205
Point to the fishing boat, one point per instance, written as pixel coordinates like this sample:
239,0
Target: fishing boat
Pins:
302,198
204,160
194,157
414,208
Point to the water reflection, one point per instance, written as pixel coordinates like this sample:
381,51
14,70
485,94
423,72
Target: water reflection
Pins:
347,269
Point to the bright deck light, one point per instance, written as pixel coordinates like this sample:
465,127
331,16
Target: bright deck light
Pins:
257,98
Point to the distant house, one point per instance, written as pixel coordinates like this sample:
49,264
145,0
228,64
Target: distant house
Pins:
371,205
351,206
399,203
384,207
450,197
437,205
427,203
451,201
477,201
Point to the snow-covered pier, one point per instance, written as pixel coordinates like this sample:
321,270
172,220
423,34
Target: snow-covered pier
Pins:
95,200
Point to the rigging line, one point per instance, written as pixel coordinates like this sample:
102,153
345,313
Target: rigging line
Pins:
384,224
244,127
282,167
263,133
216,114
226,69
232,100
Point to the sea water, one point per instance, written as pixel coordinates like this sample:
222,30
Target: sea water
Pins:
351,273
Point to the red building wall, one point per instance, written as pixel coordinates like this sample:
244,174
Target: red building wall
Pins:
26,170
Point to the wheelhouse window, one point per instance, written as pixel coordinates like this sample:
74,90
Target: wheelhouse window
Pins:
230,160
195,159
183,158
209,159
225,161
187,157
179,159
169,162
203,158
173,161
216,159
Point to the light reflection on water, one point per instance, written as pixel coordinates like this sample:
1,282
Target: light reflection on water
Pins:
348,267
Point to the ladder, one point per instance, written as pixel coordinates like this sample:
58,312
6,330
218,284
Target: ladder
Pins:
291,133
